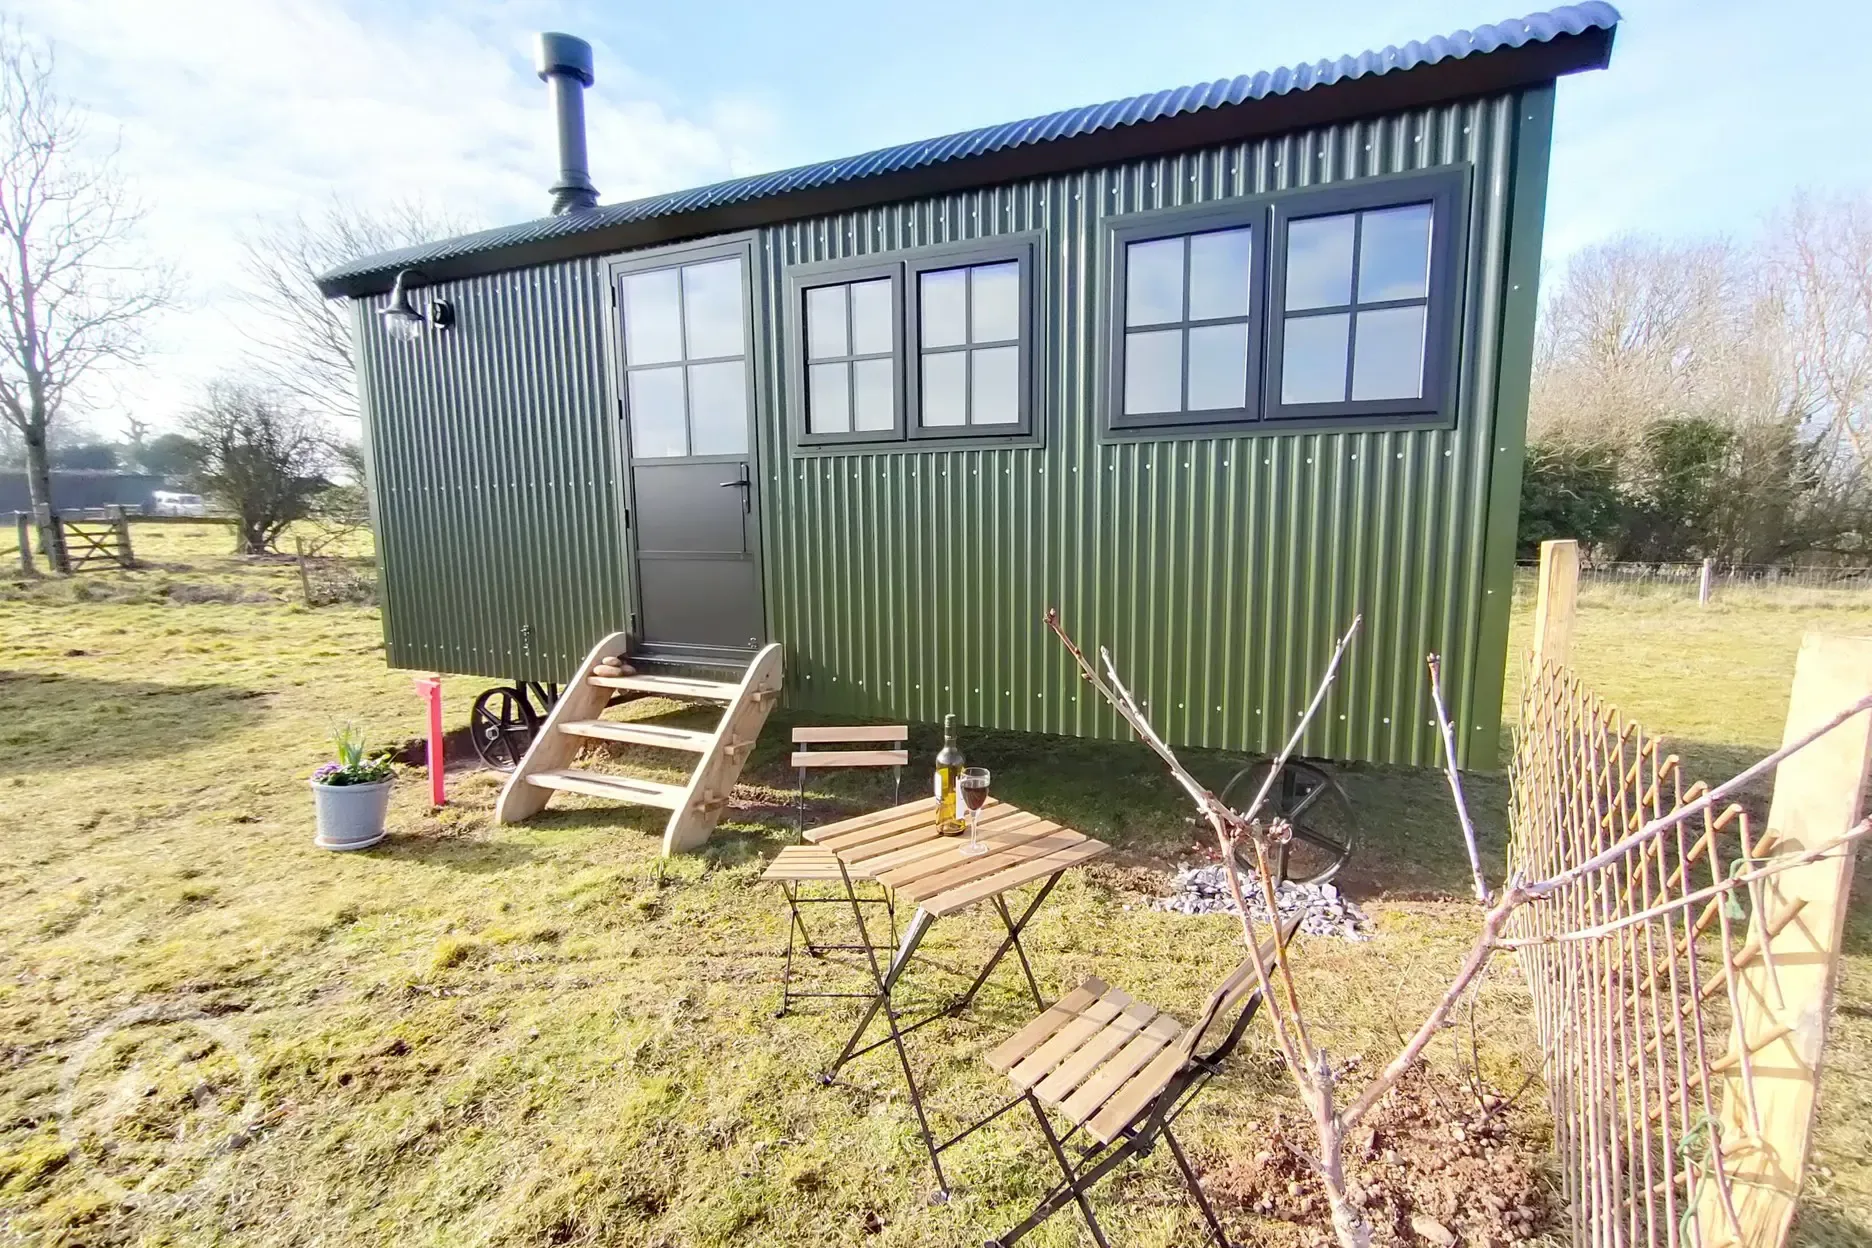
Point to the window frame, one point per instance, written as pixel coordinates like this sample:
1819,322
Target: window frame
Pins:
1022,250
801,279
1183,222
679,256
1445,190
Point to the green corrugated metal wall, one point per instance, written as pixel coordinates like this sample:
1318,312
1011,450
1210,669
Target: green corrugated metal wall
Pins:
494,485
909,584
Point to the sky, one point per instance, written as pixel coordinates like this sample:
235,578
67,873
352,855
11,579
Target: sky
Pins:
229,114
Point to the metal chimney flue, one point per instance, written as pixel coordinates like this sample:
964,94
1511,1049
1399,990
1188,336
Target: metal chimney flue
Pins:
565,63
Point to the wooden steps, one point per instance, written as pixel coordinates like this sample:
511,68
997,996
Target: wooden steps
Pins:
659,735
670,687
618,788
577,719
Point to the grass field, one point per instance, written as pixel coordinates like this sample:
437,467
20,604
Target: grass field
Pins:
211,1032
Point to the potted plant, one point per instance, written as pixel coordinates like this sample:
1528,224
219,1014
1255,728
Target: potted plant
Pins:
352,795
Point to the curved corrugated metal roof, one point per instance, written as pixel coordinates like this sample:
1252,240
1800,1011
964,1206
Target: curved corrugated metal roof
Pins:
1537,28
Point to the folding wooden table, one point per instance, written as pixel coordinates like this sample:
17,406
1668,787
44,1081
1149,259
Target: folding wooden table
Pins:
901,849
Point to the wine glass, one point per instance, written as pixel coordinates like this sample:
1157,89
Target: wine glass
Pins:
972,788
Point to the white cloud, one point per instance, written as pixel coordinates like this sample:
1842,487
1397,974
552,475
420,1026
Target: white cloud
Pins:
233,112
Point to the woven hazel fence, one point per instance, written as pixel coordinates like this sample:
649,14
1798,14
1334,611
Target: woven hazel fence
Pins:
1681,989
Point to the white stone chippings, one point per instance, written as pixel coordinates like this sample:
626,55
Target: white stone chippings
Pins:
1324,911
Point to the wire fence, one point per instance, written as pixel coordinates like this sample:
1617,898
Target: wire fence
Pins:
1644,976
1712,582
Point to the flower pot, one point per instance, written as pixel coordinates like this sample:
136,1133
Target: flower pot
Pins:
351,816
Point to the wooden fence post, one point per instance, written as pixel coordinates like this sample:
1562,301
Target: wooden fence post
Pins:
1553,607
120,520
1783,1003
52,539
1703,582
23,523
305,578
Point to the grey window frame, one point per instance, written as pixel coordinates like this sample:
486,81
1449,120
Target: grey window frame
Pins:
1445,190
678,257
1185,222
1022,250
807,277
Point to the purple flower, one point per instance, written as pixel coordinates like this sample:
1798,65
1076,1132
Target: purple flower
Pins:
325,773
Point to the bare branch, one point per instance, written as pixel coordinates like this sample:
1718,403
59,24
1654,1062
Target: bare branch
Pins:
1448,734
1605,858
1742,879
301,341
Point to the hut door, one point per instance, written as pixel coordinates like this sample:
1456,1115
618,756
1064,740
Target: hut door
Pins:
688,400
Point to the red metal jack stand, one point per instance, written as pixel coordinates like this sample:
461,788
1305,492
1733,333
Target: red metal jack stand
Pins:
431,688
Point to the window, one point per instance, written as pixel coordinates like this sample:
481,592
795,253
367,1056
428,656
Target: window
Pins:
685,360
851,357
1186,327
933,343
971,319
1327,304
1364,306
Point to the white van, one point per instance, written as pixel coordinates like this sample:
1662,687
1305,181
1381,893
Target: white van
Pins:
166,503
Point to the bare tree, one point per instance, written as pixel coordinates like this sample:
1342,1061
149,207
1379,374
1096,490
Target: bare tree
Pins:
75,301
262,457
1821,255
302,340
1639,330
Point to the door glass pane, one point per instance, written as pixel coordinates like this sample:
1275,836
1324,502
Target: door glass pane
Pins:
718,408
712,308
825,322
994,303
656,413
1154,282
1319,262
1394,254
1387,362
874,383
1313,359
1219,274
1218,367
994,386
828,399
943,312
652,330
873,331
1153,372
945,378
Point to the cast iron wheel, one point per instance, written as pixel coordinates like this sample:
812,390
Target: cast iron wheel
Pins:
503,723
1325,830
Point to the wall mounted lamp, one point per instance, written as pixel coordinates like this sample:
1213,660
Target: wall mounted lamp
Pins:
404,319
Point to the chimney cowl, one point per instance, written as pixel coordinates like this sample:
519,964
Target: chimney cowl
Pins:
564,63
554,53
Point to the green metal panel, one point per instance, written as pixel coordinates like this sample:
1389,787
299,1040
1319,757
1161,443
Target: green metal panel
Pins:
1219,570
495,492
1533,141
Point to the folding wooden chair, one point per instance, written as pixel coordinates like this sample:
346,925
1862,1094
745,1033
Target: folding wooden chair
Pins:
842,756
1122,1072
798,865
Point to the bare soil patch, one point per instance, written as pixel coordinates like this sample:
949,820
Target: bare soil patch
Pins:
1429,1159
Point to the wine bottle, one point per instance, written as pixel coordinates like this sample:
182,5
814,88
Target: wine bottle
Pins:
949,764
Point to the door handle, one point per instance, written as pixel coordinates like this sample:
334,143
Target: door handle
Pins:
745,485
